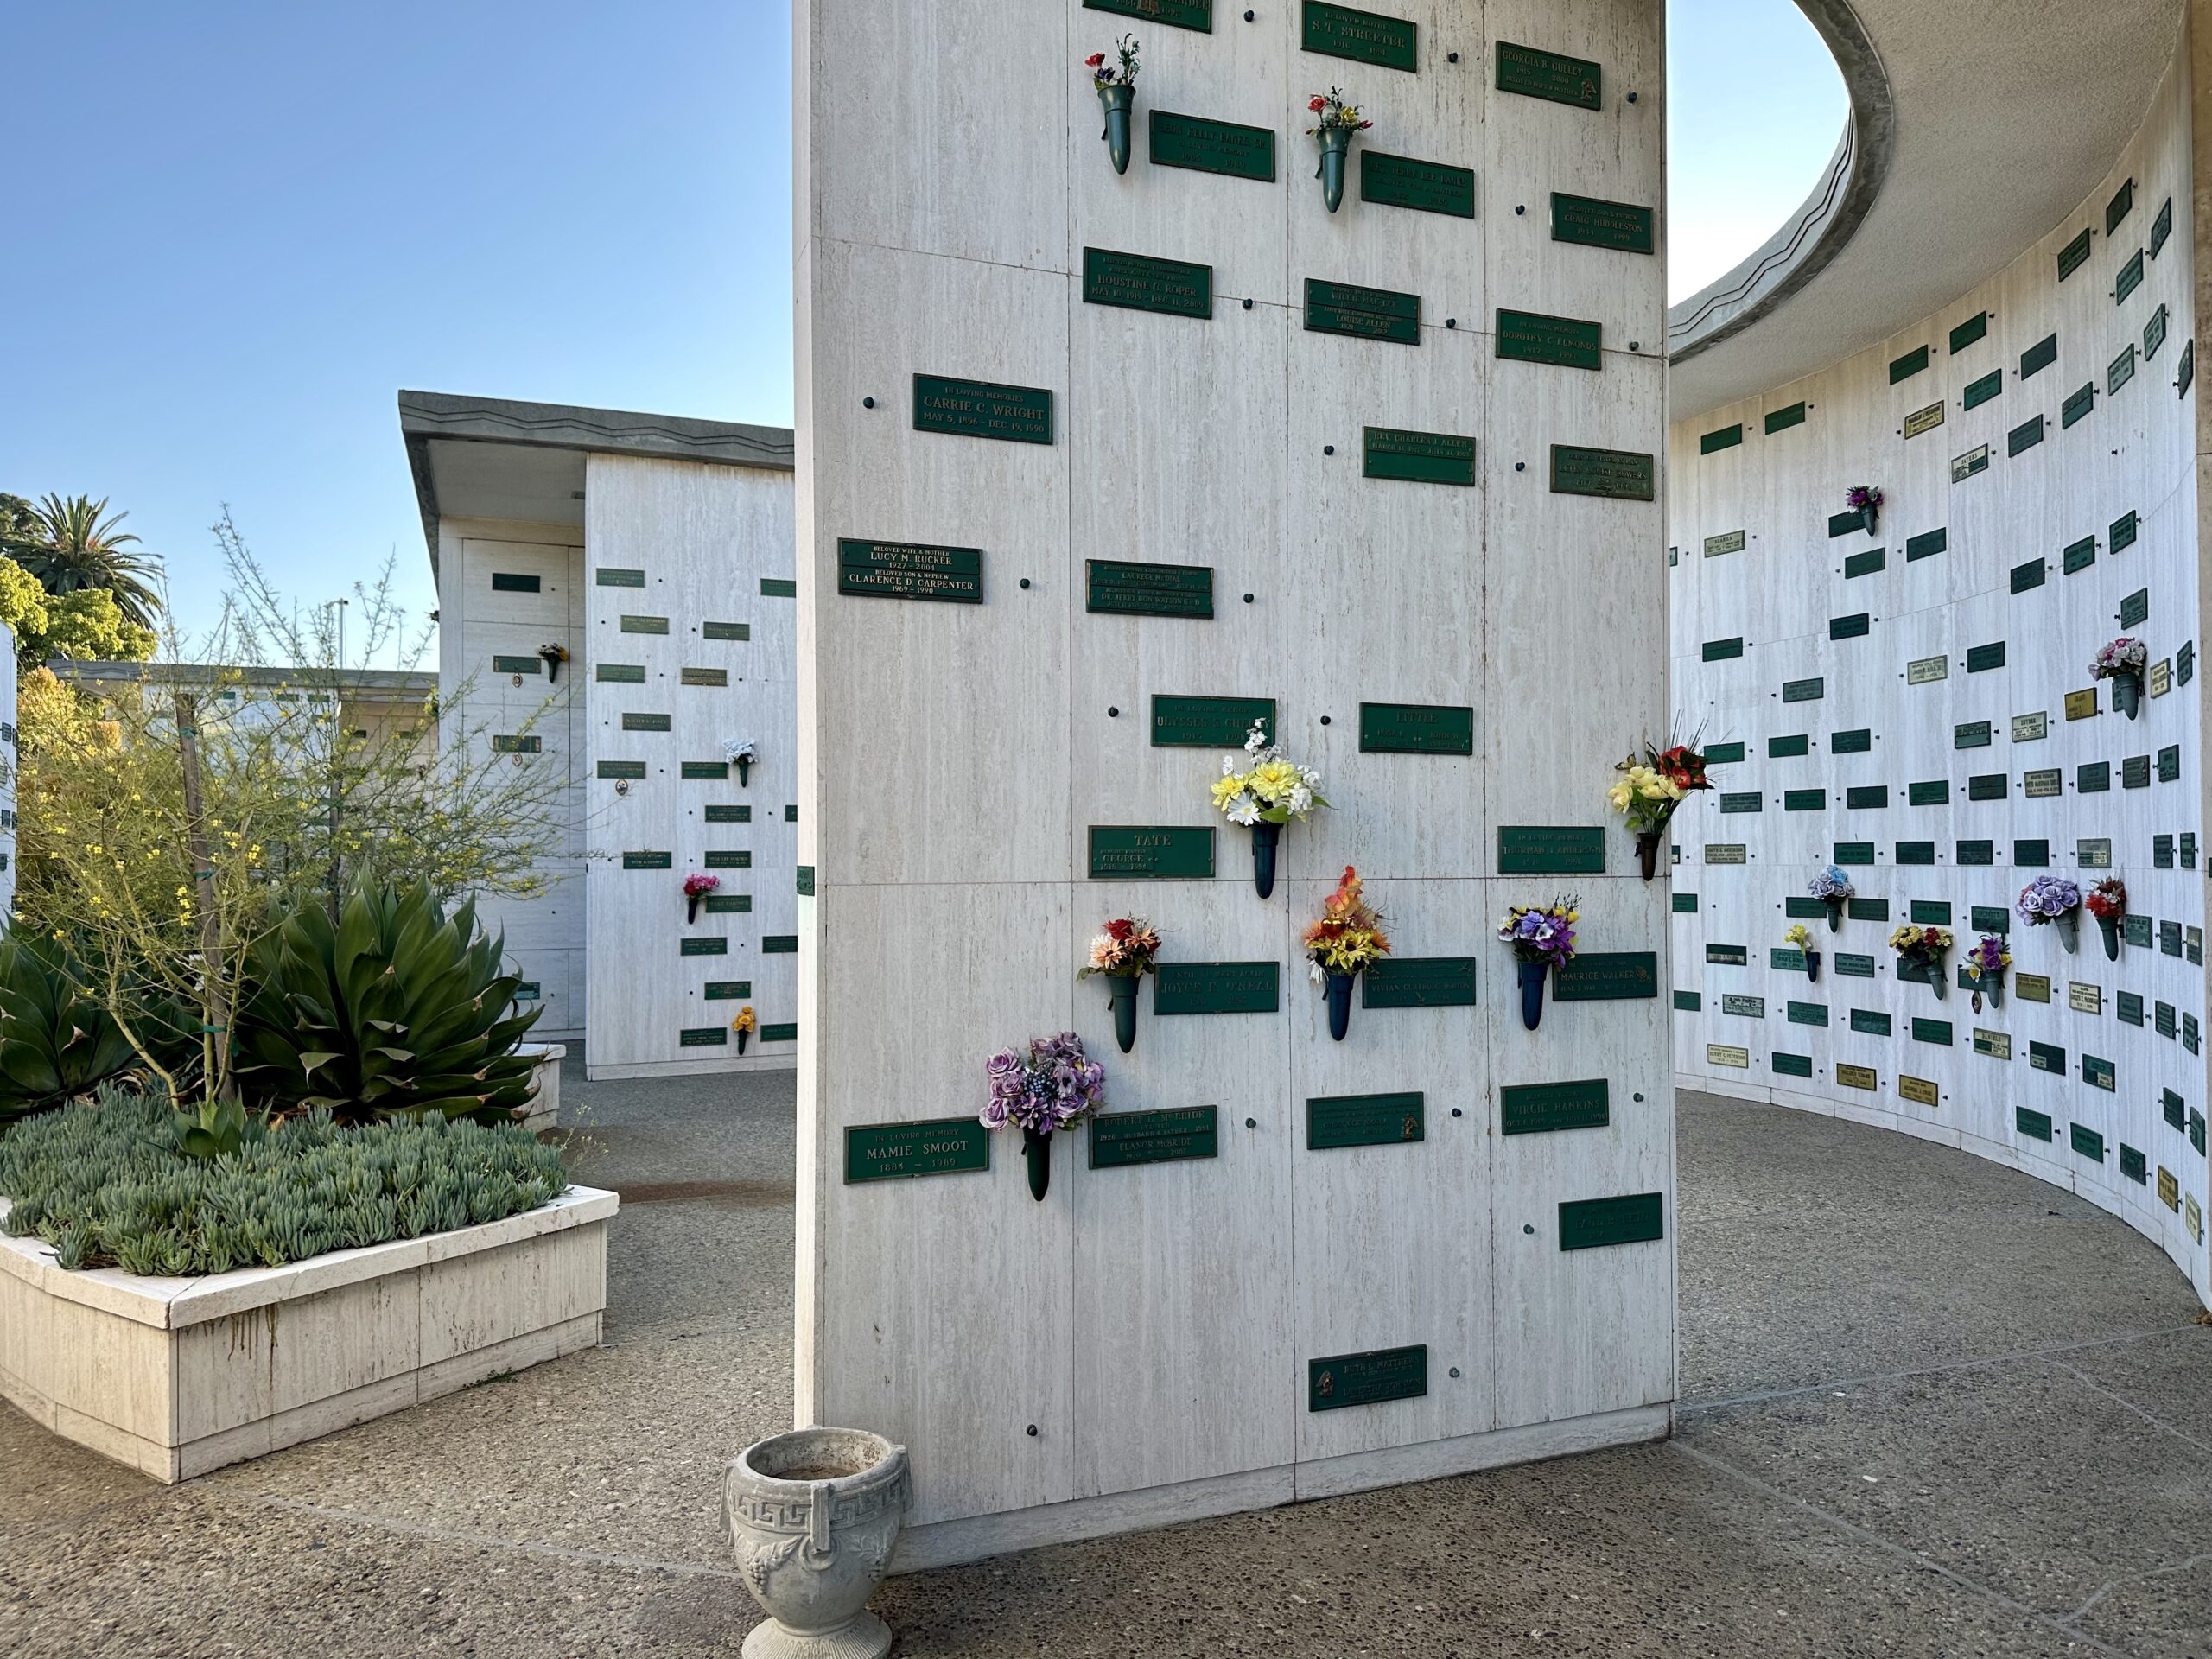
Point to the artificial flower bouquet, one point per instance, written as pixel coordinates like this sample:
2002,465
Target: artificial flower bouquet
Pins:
1123,954
744,1025
1651,788
1348,938
697,886
1052,1085
1116,83
1833,888
1802,937
1925,948
2107,902
554,654
2122,661
1543,938
740,753
2051,900
1985,965
1866,501
1263,793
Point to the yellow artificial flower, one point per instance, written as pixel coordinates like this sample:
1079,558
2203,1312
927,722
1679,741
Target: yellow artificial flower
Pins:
1274,779
1620,796
1226,790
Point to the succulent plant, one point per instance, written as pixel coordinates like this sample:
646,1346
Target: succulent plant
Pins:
56,1042
398,1009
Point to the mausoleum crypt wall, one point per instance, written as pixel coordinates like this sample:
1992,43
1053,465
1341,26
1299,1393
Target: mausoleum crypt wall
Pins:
1252,480
1916,705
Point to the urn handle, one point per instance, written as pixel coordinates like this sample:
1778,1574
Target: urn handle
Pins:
819,1550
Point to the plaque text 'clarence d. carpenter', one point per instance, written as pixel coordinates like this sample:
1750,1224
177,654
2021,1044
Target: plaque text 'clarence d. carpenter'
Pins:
909,570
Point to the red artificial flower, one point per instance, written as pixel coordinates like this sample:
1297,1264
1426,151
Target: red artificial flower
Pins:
1094,61
1119,929
1318,104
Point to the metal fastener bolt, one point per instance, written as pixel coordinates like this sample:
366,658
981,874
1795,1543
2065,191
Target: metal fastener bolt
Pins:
1025,582
1032,1431
1324,720
1248,598
1528,1229
1112,713
1328,448
867,403
1251,1123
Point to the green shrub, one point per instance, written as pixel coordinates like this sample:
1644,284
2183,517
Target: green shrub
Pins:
398,1009
55,1043
103,1184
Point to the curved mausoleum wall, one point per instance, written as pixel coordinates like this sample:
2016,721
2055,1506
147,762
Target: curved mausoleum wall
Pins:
1916,704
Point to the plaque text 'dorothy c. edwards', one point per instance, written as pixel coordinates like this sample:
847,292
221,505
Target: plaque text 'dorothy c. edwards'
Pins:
909,570
1533,337
1151,852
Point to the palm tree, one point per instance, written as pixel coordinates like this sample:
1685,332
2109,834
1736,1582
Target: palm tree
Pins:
78,548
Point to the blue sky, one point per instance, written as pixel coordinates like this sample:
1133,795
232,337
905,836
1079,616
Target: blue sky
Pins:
278,215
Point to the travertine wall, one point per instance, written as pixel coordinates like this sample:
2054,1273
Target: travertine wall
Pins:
1958,741
1137,1347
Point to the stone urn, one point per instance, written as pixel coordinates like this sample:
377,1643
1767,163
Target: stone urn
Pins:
812,1516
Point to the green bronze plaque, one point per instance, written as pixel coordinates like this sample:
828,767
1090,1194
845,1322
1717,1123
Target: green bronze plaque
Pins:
703,676
1218,987
1719,754
729,904
1979,392
2031,854
1792,1065
1857,740
1867,798
1177,1135
2135,609
1337,1122
1617,474
1722,437
1974,853
1868,910
1926,544
1937,1031
1853,852
2121,205
2169,765
1865,564
1903,368
1850,965
648,860
2125,529
1420,457
2187,375
1206,146
1846,523
527,665
1981,658
644,625
645,722
1151,852
725,630
1804,800
1368,1379
1685,904
1688,1001
1971,735
1362,312
1114,588
2036,1125
2025,436
2038,357
1172,287
1803,690
608,578
1790,747
1425,187
729,814
1593,1224
2154,333
619,673
508,743
778,944
1534,72
2121,370
1916,852
1415,729
728,990
704,1036
1849,627
1180,13
1869,1023
729,858
786,1033
1209,722
2133,1165
2073,256
703,947
2185,663
1728,955
506,583
2097,1073
2077,406
891,1152
2131,278
2162,227
1987,786
1973,328
1783,419
1546,850
2027,575
1989,919
1363,37
1936,791
803,881
1723,650
1785,959
1420,982
621,768
1532,337
1607,977
1592,223
1546,1108
1809,1013
2135,772
1748,800
778,588
909,570
981,408
704,770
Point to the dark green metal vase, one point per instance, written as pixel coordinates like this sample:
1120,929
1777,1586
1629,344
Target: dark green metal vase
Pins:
2127,694
1335,146
1265,838
1533,974
1339,989
744,773
1121,997
1117,100
1037,1152
2109,926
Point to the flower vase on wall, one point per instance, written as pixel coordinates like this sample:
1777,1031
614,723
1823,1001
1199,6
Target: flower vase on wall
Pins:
1265,838
2127,694
1037,1152
1936,982
1533,974
1121,997
1648,843
1118,100
2109,926
1813,966
1835,916
1339,992
2069,931
1336,147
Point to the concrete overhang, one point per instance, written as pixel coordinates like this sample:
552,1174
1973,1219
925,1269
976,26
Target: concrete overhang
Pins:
1976,126
496,458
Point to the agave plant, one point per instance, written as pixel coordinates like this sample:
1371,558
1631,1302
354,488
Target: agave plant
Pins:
397,1010
55,1043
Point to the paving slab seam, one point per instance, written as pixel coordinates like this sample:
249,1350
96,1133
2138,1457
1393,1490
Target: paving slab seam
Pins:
2104,1589
485,1541
2158,1423
1898,1553
1692,1408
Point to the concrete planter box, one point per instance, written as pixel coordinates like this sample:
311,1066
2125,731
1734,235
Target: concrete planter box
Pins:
545,1112
177,1376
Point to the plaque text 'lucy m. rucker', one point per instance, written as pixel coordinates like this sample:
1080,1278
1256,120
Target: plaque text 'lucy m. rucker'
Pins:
909,570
